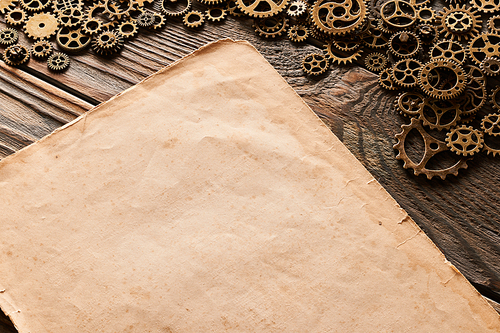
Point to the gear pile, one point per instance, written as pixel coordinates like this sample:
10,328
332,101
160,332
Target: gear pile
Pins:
447,60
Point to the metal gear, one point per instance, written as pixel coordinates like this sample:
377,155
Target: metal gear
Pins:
71,17
41,26
271,27
439,115
175,7
193,19
340,58
16,55
92,26
146,19
494,24
405,72
35,5
409,103
346,43
486,6
490,66
72,40
428,34
15,17
398,14
464,140
443,69
472,99
261,8
6,5
8,36
426,15
375,62
216,14
376,38
404,44
385,80
325,15
484,46
107,43
459,22
116,9
160,21
41,49
298,33
491,124
315,64
128,29
432,146
97,18
58,61
449,50
297,8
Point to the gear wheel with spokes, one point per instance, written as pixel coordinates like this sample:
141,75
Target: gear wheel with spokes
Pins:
464,140
58,61
459,22
315,64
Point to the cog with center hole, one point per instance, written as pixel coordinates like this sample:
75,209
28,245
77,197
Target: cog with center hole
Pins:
58,61
8,36
464,140
459,22
439,115
160,21
15,17
298,33
216,14
494,24
426,15
491,124
443,69
6,5
315,64
107,43
41,49
72,40
448,50
404,44
146,19
325,15
128,29
41,26
398,14
34,6
16,55
405,72
375,61
490,66
261,8
297,9
409,103
484,46
432,147
385,80
194,19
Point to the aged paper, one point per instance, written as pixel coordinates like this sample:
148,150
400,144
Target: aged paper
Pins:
210,198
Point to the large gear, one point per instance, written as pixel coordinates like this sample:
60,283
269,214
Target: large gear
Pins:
338,17
404,44
58,61
432,147
491,124
16,55
8,36
375,61
464,140
41,26
484,46
35,5
453,73
262,8
107,43
459,22
449,50
6,5
315,64
41,49
439,115
15,17
490,66
72,40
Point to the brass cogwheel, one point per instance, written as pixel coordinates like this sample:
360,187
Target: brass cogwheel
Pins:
315,64
459,22
35,5
128,29
92,26
409,103
58,61
439,115
59,5
41,26
346,43
494,24
160,21
490,66
72,40
432,147
341,58
116,9
216,14
261,8
107,43
337,17
15,17
175,7
376,38
71,17
297,9
495,98
404,44
484,46
398,14
491,124
271,27
193,19
6,5
298,33
472,99
426,15
405,72
449,50
375,61
486,6
386,81
146,19
451,79
16,55
8,36
41,49
464,140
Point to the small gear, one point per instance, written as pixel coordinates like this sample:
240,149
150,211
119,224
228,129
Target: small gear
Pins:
409,103
146,19
262,8
375,61
386,81
6,5
92,26
486,6
15,17
325,16
464,140
8,36
297,8
432,147
128,29
58,61
41,26
455,77
35,5
404,44
107,43
271,27
495,98
426,15
71,17
298,33
491,124
16,55
494,24
490,66
193,19
175,8
315,64
427,33
41,49
72,40
215,14
449,50
483,46
160,21
405,72
459,22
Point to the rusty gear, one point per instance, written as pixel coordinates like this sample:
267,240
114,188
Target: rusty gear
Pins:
193,19
439,115
490,150
432,146
448,50
72,40
405,72
16,55
376,38
338,17
443,69
261,8
385,80
175,8
398,14
491,124
484,46
58,61
41,49
107,43
404,44
298,33
375,61
464,140
459,22
490,66
8,36
215,14
315,64
409,103
6,5
41,26
15,17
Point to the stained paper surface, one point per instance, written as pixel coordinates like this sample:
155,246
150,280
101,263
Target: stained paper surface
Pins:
210,198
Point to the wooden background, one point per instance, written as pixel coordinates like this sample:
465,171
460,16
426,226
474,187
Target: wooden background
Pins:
459,214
